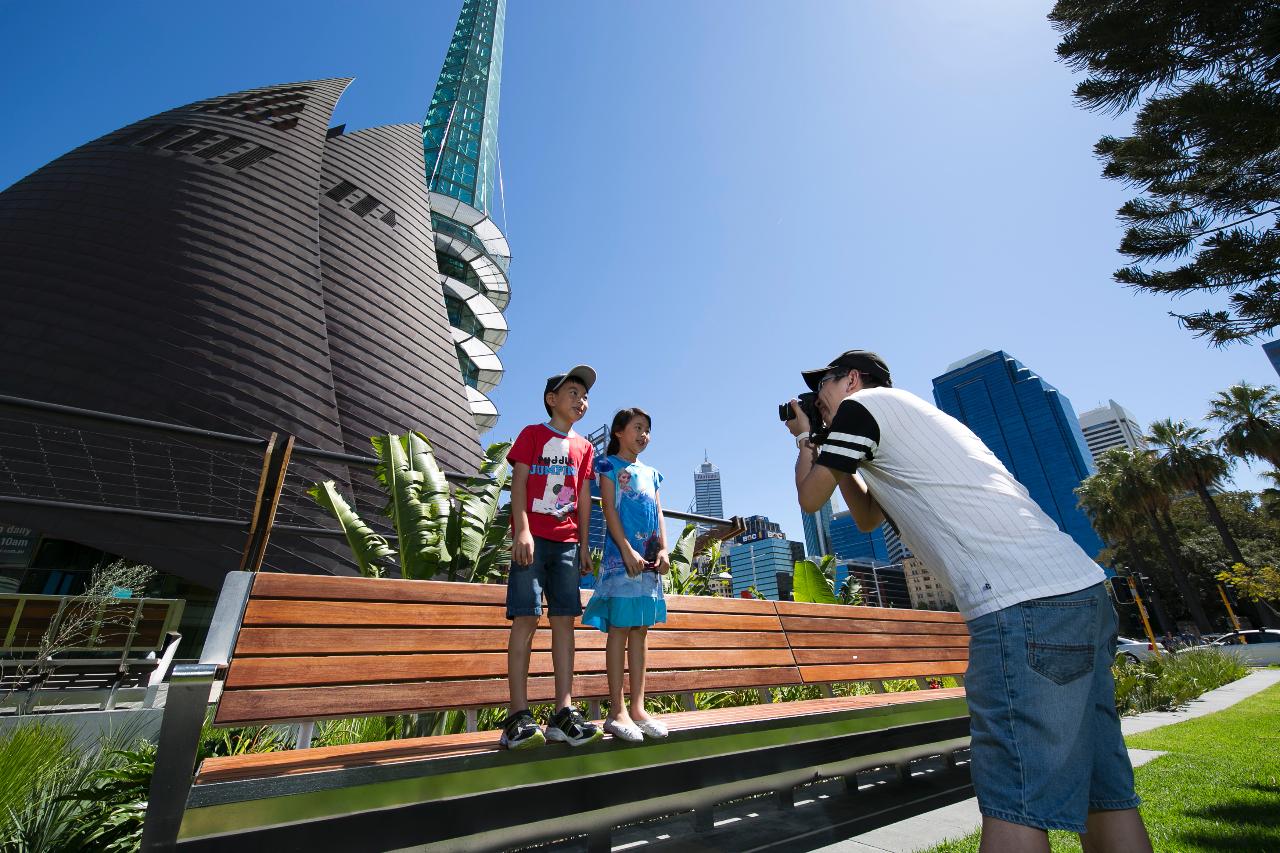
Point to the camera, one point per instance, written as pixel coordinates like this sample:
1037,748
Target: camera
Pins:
808,405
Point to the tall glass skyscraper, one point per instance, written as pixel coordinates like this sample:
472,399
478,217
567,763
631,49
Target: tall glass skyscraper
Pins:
460,144
1272,349
1110,426
817,530
1030,426
850,543
707,499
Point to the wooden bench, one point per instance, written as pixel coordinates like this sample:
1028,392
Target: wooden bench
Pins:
123,660
294,649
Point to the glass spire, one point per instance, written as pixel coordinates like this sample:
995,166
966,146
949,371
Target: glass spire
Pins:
465,107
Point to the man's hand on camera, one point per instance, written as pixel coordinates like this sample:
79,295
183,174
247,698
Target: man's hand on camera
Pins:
800,423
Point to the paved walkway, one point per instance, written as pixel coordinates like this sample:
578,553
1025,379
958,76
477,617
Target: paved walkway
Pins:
935,807
931,828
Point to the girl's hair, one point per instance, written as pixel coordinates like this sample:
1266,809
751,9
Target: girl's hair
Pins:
620,421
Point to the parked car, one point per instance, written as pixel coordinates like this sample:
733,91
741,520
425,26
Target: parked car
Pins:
1262,648
1134,650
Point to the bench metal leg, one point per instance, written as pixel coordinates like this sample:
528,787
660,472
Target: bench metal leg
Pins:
472,716
305,732
176,757
849,783
766,698
785,799
600,841
687,699
704,820
902,773
593,710
952,760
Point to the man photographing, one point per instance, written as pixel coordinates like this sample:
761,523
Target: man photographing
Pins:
1047,752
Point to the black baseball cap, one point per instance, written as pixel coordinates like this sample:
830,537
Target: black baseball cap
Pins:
861,360
581,372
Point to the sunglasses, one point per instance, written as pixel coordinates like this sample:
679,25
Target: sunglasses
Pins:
832,375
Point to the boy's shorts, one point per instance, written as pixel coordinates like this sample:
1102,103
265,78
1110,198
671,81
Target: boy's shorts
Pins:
554,572
1046,742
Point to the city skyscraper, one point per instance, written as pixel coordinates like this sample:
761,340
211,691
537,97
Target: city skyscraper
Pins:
850,543
817,530
460,147
1110,426
707,499
1030,426
1272,349
596,531
759,562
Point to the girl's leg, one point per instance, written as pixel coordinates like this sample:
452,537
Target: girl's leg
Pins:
615,654
637,645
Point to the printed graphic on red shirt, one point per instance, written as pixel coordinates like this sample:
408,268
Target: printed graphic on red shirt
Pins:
558,464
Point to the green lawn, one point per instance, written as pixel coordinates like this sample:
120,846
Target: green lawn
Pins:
1218,789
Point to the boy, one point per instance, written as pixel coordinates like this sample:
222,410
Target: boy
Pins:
550,504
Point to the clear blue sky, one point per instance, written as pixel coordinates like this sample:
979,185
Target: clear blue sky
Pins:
705,197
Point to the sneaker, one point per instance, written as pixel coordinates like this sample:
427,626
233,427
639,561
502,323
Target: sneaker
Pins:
519,731
629,732
569,726
653,727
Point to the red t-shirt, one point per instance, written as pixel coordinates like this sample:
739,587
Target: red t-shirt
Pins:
558,465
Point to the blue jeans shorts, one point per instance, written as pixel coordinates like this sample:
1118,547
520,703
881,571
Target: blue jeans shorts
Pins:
1046,742
553,572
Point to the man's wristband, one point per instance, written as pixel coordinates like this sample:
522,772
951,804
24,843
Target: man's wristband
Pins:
801,440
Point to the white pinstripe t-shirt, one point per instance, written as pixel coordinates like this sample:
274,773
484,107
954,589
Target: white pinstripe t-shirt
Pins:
955,505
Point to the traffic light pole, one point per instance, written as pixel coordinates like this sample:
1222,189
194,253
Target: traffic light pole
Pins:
1142,611
1234,621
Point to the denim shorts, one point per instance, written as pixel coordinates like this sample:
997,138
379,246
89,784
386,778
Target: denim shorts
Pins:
553,572
1046,742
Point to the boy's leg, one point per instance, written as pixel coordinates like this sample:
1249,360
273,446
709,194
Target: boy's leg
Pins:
562,659
524,605
519,647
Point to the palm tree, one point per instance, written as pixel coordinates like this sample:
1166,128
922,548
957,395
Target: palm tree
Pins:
1116,523
1250,421
1135,489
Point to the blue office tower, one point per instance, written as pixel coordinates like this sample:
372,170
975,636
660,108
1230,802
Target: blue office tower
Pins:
850,543
1272,349
1030,426
817,531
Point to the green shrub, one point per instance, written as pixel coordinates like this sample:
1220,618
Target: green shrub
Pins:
1169,681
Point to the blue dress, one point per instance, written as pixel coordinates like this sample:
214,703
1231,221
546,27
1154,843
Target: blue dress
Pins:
620,600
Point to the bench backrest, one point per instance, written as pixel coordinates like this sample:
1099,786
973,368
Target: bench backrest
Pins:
136,626
313,647
842,643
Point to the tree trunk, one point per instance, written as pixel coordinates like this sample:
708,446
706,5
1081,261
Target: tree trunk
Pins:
1157,606
1168,544
1258,614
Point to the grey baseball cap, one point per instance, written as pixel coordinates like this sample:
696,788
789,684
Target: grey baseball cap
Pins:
584,373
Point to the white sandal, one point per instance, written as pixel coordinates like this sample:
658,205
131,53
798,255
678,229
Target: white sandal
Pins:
624,731
653,727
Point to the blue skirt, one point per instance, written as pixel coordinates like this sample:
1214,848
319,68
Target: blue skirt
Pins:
641,611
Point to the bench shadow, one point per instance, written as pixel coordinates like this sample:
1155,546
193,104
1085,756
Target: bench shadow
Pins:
823,814
1257,823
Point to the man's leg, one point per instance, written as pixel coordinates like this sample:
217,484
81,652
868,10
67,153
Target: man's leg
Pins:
1000,836
1115,832
519,646
562,659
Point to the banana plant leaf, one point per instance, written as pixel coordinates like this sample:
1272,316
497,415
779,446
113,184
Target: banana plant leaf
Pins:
366,546
683,579
496,553
477,507
809,585
418,501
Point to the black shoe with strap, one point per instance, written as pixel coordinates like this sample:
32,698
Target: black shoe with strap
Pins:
569,726
520,731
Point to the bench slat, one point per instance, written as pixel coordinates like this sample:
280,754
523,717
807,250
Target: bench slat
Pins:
812,656
302,703
320,641
806,640
796,608
892,627
275,613
359,669
286,763
862,672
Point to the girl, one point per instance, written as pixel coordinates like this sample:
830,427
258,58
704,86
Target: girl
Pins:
628,597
